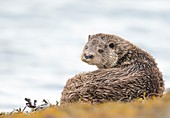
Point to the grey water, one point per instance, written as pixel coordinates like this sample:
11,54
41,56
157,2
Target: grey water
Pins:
41,41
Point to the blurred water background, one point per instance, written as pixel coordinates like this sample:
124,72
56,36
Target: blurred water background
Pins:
41,41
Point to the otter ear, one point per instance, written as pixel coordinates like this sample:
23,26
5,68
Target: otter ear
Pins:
89,37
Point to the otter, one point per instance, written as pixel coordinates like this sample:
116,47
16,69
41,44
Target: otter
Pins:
125,73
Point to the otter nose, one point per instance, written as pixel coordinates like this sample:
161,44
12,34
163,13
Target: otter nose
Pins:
88,56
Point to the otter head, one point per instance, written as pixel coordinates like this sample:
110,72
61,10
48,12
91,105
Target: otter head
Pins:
103,50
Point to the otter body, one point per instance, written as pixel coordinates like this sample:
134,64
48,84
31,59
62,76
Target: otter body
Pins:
125,72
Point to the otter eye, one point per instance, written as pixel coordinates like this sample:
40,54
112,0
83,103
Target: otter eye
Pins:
85,47
111,45
100,50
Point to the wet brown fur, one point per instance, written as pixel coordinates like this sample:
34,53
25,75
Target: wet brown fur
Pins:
126,74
